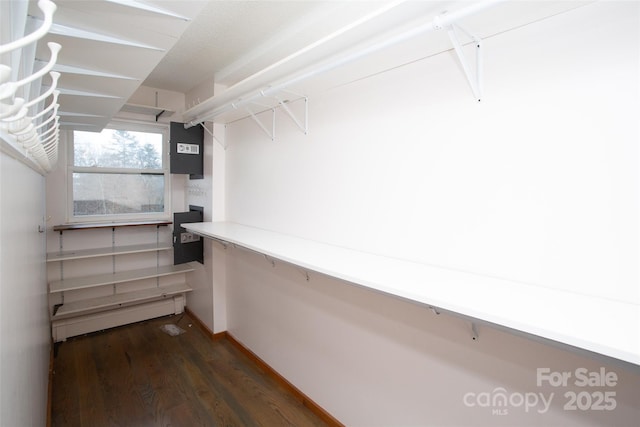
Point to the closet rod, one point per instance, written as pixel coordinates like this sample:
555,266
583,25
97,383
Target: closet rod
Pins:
437,23
306,49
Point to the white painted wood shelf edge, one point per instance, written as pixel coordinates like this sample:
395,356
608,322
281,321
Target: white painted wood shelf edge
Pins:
98,252
604,326
118,277
109,302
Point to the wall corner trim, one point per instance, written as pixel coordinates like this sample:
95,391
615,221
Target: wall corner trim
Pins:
50,385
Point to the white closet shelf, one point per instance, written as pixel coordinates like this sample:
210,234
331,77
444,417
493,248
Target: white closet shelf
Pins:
92,305
98,252
604,326
118,277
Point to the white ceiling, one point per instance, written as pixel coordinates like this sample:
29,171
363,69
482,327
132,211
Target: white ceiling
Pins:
224,39
186,42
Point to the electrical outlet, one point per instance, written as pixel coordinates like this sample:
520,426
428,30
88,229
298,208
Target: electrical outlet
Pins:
189,238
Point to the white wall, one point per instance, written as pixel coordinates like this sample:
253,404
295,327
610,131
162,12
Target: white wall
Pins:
372,360
208,299
537,183
24,317
198,193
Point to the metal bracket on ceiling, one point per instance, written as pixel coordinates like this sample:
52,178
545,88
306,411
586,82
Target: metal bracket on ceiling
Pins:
474,81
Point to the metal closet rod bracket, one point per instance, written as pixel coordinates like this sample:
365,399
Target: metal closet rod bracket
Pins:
474,328
272,134
270,260
305,273
303,126
212,135
223,243
475,81
474,332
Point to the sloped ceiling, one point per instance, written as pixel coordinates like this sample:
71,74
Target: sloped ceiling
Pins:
108,50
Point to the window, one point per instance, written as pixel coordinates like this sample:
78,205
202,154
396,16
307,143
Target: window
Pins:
119,174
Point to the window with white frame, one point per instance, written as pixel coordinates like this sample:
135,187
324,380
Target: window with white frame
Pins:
119,174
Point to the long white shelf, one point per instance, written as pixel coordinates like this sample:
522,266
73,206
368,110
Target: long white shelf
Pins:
118,277
92,305
98,252
599,325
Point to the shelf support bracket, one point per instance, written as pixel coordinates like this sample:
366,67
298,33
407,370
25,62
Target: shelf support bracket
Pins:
269,260
474,81
271,134
305,273
213,136
474,332
224,244
159,114
303,127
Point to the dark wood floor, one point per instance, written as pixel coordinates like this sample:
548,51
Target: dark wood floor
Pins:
139,376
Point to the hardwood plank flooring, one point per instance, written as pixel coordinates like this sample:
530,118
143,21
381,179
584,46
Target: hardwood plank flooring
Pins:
139,376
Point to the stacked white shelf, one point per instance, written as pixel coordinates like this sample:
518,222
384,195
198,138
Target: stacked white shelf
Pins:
130,296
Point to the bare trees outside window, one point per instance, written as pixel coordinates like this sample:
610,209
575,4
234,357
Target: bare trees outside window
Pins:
118,172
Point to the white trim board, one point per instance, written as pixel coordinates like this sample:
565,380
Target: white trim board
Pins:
604,326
